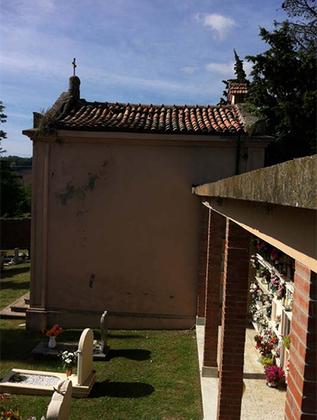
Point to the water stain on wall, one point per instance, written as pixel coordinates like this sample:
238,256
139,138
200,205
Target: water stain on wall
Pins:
71,191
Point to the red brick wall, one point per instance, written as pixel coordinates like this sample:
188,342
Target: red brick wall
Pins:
301,398
234,320
217,231
202,267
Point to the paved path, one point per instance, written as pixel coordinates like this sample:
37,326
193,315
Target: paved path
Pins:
259,401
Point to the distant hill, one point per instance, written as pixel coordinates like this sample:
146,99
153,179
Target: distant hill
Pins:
17,162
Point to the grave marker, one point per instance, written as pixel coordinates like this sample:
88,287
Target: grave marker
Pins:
85,356
59,406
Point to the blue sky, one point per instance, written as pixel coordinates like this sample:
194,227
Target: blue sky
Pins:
149,51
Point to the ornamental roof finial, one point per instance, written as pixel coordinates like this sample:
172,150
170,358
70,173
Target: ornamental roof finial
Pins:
74,66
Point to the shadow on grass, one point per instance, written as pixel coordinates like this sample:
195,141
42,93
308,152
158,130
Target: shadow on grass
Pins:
16,344
121,389
11,284
133,354
10,272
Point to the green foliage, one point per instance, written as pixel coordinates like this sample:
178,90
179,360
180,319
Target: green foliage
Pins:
266,361
240,78
287,341
17,162
303,24
3,119
283,93
15,197
238,68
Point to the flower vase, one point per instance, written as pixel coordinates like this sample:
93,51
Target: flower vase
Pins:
52,342
271,385
69,372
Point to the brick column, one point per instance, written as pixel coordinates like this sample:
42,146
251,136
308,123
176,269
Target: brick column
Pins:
217,233
301,397
203,241
234,320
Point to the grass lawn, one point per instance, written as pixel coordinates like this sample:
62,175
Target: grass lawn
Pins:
148,374
14,282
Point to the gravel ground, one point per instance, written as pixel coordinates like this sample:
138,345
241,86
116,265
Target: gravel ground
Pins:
42,380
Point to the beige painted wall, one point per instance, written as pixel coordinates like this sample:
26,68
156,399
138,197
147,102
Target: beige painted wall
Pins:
272,223
115,226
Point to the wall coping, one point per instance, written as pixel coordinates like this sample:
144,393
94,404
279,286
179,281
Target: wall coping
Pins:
292,183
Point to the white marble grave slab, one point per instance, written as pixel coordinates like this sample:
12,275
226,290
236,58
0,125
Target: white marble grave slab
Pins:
82,382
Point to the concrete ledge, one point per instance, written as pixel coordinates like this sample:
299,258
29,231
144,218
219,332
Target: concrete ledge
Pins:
209,372
292,183
10,310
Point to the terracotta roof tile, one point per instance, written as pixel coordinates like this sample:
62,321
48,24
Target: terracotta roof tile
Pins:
238,87
184,119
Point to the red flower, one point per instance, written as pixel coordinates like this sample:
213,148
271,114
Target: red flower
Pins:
54,331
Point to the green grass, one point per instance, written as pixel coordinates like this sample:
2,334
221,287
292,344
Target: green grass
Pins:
14,282
148,375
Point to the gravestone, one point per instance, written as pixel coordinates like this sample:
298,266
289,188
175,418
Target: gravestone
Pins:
104,330
16,256
36,382
59,406
85,356
100,346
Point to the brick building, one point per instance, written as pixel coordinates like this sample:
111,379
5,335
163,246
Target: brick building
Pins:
278,205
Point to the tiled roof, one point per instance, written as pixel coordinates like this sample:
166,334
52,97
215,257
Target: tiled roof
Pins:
104,116
238,87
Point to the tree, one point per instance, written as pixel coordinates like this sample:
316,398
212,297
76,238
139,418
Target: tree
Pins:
238,68
3,119
303,24
240,77
283,93
15,198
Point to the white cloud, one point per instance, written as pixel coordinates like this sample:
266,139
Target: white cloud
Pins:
225,69
219,24
189,69
247,65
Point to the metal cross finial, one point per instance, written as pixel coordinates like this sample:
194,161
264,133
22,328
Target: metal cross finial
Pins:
74,66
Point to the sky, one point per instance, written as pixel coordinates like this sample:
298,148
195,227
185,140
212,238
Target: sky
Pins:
137,51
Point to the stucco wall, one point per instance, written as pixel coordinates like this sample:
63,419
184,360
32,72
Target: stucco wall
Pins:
122,230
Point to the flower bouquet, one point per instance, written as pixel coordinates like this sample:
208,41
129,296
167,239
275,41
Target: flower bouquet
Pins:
52,333
275,375
8,413
281,291
266,342
68,360
274,283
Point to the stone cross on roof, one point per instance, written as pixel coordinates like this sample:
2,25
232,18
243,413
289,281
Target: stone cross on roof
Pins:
74,66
